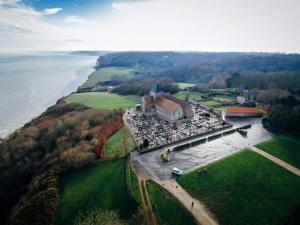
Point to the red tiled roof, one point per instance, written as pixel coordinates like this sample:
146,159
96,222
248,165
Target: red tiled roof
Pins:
167,104
242,110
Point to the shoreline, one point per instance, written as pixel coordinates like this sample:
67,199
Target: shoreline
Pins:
65,93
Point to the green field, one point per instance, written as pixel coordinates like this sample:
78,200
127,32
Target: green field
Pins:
194,95
117,143
168,210
245,188
103,100
106,74
224,98
283,147
210,102
101,186
185,85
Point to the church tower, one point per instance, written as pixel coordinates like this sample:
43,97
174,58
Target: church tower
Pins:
156,91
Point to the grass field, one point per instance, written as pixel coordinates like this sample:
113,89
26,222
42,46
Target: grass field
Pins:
210,102
169,211
115,144
245,188
101,186
185,85
191,94
224,98
103,100
105,74
283,147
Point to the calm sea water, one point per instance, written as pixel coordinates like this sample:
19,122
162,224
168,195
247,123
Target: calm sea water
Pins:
29,84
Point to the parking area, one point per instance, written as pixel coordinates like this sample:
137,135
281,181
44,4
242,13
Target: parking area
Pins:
160,132
151,165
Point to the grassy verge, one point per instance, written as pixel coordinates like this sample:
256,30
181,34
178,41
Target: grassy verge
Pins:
283,147
133,184
103,100
169,211
106,74
245,188
101,186
120,143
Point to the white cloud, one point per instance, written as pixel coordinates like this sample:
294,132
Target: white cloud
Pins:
9,2
52,11
206,25
74,19
121,5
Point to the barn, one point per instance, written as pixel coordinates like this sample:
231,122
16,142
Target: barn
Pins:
242,112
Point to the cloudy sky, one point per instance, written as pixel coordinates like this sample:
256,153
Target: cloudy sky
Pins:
196,25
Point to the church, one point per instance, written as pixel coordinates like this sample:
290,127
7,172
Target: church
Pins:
166,105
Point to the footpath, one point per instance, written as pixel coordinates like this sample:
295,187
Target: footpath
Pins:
279,162
202,215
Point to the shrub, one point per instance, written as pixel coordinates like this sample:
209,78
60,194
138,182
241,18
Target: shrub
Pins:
97,217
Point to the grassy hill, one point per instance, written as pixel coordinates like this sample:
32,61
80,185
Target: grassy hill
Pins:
101,186
103,100
245,188
107,73
114,144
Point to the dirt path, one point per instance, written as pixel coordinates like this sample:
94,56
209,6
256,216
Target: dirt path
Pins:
153,220
145,200
145,207
198,210
277,161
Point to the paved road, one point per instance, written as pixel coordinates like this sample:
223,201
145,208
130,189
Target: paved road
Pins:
277,161
152,166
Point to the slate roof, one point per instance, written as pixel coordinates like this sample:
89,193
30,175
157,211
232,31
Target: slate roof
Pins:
168,104
148,99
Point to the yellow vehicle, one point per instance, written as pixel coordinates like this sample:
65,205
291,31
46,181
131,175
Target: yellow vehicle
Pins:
165,155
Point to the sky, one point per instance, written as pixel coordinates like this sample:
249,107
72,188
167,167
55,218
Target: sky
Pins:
120,25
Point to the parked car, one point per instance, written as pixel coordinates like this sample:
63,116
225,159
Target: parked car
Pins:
242,132
177,171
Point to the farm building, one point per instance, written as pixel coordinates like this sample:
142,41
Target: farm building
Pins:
242,112
165,105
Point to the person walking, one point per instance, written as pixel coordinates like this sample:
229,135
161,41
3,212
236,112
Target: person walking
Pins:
192,204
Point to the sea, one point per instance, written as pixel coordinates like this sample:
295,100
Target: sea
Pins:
31,82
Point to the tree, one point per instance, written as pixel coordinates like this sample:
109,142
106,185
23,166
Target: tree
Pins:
97,217
233,80
145,143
